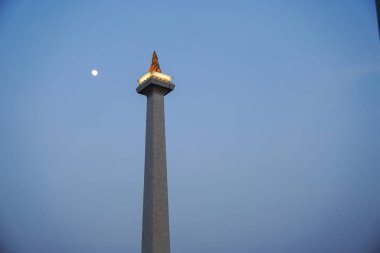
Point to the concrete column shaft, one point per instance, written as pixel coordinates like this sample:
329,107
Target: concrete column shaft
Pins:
156,212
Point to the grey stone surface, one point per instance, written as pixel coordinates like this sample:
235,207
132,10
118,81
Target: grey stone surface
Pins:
378,14
155,232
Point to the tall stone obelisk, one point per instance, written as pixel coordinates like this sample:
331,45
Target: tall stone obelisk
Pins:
155,231
378,14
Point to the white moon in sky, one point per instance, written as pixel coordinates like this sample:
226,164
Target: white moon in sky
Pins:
94,72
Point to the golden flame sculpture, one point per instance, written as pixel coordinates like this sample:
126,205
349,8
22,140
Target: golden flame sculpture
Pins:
155,72
155,66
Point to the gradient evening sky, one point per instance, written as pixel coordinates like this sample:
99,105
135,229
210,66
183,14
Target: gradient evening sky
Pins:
273,131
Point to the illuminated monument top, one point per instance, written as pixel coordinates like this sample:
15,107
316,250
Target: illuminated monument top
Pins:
155,72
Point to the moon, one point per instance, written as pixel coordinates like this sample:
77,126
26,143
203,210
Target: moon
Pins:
94,72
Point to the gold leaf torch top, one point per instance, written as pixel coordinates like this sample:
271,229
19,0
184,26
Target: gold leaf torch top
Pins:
155,66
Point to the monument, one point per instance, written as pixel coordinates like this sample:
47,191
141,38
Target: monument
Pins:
378,14
155,229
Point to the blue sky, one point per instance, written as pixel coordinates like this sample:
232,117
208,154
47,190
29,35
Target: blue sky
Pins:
272,132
